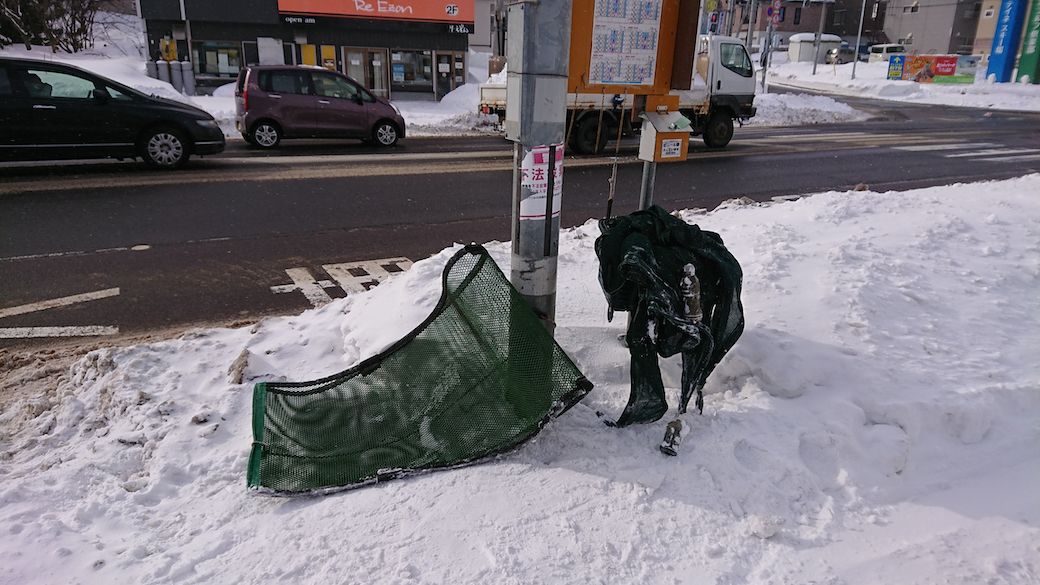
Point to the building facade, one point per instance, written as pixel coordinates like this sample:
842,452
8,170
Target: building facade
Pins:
933,26
402,48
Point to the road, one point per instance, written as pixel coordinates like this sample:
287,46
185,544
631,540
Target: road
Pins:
111,249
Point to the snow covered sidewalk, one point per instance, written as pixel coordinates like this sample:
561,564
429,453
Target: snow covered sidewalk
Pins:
871,82
877,422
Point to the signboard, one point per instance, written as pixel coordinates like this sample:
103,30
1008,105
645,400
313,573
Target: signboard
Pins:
1005,40
895,67
1029,61
775,14
933,68
622,46
534,174
455,11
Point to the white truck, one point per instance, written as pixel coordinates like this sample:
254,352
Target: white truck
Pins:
723,90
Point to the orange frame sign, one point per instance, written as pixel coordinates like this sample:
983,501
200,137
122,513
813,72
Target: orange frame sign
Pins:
622,46
458,11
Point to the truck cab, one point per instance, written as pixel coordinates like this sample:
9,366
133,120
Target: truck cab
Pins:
722,89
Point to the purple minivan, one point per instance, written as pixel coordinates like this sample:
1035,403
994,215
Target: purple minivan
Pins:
281,101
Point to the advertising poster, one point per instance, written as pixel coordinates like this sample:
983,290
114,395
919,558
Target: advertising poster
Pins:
398,71
933,68
534,175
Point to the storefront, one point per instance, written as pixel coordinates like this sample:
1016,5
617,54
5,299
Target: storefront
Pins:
414,48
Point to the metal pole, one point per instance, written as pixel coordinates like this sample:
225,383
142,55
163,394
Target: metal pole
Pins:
819,36
767,50
859,37
752,18
729,18
646,188
538,46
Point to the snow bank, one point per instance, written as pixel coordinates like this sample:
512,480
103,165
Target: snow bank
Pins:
456,114
877,422
871,82
786,109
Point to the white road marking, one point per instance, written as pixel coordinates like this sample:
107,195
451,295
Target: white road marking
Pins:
288,288
304,281
59,302
361,276
994,152
1023,158
35,332
957,146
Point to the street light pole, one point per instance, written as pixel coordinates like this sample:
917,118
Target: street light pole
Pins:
859,37
819,36
538,51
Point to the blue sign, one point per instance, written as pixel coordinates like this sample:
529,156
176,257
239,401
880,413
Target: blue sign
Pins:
896,64
1005,39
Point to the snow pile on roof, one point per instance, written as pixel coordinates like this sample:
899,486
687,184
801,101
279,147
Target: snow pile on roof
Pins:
877,423
871,81
811,37
790,109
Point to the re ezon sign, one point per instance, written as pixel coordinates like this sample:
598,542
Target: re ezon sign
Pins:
424,10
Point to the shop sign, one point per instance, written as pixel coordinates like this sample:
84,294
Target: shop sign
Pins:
454,11
895,66
460,29
1029,62
1005,40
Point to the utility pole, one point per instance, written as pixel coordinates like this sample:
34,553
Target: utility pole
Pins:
729,17
752,21
819,35
859,37
538,51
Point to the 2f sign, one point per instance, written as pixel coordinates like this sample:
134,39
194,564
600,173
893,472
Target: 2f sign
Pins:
451,9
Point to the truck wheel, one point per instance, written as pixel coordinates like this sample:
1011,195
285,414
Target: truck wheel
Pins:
718,131
584,138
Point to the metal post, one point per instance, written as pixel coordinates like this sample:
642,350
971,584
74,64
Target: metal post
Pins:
729,18
767,47
819,36
538,46
859,37
646,188
752,20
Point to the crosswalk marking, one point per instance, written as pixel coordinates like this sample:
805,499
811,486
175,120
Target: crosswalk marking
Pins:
956,146
994,151
352,277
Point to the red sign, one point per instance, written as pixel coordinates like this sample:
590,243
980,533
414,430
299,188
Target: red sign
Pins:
946,65
423,10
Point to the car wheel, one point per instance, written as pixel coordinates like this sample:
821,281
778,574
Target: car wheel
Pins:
385,134
265,134
586,134
165,148
718,131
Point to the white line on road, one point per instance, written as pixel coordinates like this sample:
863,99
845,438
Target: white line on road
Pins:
59,302
360,276
33,332
957,146
994,152
1023,158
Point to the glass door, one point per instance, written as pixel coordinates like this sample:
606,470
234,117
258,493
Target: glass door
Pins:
354,64
378,73
443,76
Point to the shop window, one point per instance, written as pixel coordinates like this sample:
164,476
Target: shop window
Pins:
798,15
217,59
411,70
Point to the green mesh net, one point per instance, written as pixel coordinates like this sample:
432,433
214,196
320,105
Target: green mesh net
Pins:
479,377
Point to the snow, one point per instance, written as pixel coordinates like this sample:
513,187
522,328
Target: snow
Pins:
871,82
877,422
790,109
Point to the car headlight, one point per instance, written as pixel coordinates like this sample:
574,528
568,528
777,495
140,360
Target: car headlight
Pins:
207,123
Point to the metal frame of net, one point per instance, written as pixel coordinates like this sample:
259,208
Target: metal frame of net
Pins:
479,377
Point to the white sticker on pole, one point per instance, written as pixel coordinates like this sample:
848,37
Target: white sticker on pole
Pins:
534,174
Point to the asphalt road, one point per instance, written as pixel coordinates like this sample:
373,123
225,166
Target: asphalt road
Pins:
113,249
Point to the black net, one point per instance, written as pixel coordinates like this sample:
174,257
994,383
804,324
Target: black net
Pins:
479,377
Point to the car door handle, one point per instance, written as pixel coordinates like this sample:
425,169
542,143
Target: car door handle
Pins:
718,84
323,101
274,96
44,107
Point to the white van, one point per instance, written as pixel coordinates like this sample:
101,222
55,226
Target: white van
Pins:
883,52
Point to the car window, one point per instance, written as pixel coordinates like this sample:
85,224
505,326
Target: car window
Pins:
896,50
5,83
117,95
285,82
877,50
735,58
41,83
333,86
